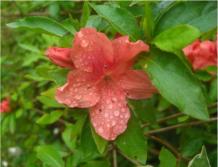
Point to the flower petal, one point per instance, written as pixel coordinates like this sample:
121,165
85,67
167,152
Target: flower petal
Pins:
110,116
137,85
60,56
92,51
201,54
126,50
79,91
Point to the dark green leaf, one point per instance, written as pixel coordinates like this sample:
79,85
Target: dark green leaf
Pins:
132,142
199,14
97,164
200,160
49,118
97,22
40,23
176,38
121,19
50,156
176,84
166,158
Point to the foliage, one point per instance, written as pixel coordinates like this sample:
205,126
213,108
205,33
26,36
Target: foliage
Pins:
40,132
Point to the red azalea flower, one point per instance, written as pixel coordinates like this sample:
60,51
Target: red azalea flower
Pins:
102,79
5,106
202,54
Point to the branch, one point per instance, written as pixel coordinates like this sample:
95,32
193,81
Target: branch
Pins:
131,160
194,123
169,146
164,119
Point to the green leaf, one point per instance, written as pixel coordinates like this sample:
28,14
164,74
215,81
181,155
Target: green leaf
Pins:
85,14
121,19
100,163
87,145
132,142
97,22
40,23
176,38
50,156
177,84
99,141
166,158
200,160
72,131
199,14
49,118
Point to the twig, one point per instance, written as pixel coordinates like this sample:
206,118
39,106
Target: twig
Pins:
114,157
165,143
180,125
131,160
165,119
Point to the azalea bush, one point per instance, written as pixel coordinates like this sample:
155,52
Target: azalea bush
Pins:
114,83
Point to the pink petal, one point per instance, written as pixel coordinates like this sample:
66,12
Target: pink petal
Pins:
79,91
92,51
5,106
126,50
137,85
110,116
60,56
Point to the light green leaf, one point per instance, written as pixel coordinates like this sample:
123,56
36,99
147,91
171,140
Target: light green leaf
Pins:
85,14
49,118
176,38
166,158
50,156
200,160
132,142
199,14
176,84
121,19
97,22
99,141
40,23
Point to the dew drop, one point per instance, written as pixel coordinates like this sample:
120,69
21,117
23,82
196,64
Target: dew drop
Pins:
84,43
100,129
113,123
116,113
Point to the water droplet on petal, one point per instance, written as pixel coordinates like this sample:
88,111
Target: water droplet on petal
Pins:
113,123
100,129
84,43
116,113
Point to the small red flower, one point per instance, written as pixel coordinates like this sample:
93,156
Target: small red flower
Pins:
202,54
102,79
5,106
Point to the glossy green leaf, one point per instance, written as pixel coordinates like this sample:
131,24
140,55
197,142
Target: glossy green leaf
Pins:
40,23
176,38
132,142
85,14
200,160
99,141
49,118
121,19
200,14
97,22
176,84
167,159
50,156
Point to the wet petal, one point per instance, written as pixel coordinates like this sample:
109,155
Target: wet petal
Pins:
92,51
126,50
110,116
137,84
60,56
79,91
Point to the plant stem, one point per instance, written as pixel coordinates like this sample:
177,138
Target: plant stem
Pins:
180,125
164,119
114,157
